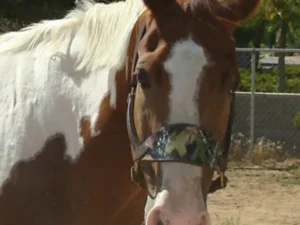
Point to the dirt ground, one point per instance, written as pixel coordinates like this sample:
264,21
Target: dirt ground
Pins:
257,196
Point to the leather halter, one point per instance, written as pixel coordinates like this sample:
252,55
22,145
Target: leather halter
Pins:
139,149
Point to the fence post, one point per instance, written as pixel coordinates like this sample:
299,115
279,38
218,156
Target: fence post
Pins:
252,100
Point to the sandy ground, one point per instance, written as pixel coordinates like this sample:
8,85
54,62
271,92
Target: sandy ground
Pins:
257,197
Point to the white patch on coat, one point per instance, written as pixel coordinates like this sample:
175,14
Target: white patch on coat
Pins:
54,73
184,66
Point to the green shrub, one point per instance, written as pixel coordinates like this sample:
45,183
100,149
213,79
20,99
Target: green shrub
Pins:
245,84
293,85
267,81
264,82
292,72
296,121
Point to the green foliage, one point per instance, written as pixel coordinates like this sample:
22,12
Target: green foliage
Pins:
15,14
264,82
296,121
244,36
272,12
9,25
267,81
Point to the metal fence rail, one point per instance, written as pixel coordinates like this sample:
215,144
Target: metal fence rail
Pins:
262,106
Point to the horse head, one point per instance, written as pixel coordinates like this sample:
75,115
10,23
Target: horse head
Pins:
180,107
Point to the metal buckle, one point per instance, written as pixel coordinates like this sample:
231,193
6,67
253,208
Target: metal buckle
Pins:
132,174
222,176
131,94
136,177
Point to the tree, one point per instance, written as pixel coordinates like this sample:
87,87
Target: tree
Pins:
252,32
283,15
276,17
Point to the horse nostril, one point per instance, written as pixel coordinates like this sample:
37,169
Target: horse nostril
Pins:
204,219
160,223
156,217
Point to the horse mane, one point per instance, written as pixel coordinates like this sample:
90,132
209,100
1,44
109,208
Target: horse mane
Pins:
104,29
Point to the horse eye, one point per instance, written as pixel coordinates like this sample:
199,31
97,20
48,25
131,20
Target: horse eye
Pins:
224,76
143,78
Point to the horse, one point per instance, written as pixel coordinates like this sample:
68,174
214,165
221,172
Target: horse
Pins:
118,113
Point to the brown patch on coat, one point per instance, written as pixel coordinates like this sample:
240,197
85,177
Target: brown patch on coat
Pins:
105,112
85,130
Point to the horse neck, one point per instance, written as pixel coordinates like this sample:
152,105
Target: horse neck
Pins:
116,154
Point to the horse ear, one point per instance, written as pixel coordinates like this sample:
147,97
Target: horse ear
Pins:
236,10
231,12
158,5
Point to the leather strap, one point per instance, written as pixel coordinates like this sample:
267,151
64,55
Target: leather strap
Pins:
135,172
141,33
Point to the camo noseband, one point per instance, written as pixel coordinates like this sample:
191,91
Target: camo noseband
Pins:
184,143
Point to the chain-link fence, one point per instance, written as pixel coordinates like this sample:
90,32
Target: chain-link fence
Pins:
267,113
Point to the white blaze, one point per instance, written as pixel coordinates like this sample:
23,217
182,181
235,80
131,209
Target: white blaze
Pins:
180,200
184,66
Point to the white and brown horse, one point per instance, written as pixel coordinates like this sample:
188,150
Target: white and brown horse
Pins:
141,86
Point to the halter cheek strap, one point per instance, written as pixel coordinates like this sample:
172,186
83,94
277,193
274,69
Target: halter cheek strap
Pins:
135,171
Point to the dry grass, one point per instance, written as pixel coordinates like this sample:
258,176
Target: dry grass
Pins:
263,188
233,220
265,152
257,196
